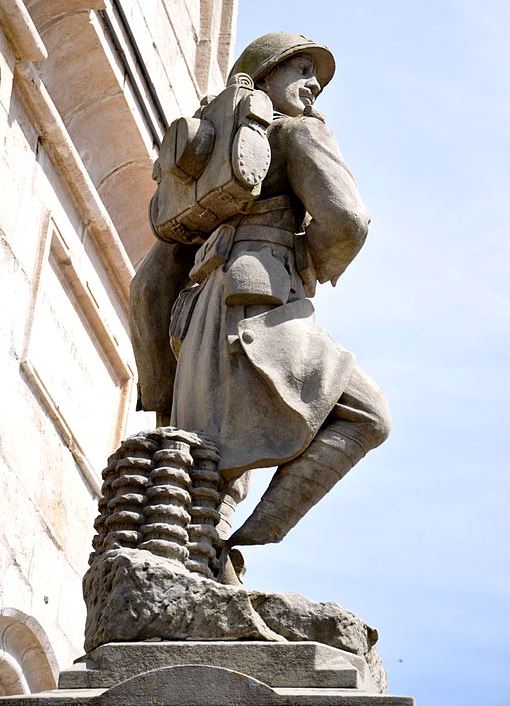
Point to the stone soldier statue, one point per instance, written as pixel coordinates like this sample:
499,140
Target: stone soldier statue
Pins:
254,372
254,206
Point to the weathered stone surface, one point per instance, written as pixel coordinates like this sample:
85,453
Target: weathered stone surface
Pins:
191,684
277,664
297,618
134,595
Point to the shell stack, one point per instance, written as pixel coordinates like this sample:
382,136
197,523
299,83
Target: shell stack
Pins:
161,493
168,502
121,506
204,539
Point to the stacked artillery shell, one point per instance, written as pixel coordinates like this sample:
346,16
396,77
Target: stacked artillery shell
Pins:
168,501
161,494
127,497
122,500
203,536
106,495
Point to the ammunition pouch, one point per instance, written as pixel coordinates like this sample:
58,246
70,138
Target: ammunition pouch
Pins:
213,253
256,277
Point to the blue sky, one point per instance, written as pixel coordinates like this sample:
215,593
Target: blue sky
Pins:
415,539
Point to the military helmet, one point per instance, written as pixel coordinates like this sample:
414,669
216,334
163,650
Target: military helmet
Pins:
267,51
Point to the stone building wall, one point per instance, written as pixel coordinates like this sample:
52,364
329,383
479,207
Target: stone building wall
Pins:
87,89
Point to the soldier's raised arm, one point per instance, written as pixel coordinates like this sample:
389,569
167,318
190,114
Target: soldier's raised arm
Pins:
320,178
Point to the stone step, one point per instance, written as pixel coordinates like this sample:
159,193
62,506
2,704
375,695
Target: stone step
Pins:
278,664
279,697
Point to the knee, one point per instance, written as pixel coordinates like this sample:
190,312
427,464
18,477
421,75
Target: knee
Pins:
380,420
363,411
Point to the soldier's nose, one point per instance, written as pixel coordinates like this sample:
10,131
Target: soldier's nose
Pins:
313,85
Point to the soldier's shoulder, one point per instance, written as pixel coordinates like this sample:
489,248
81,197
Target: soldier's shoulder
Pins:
306,128
280,122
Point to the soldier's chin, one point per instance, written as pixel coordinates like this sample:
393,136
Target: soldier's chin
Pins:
296,109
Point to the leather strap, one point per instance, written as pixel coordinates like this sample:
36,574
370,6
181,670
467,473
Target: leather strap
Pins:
276,203
266,234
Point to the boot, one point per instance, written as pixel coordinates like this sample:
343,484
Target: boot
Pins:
233,494
299,485
231,562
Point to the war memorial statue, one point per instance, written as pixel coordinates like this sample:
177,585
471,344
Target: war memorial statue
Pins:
254,206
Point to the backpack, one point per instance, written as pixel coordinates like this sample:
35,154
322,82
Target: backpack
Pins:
211,166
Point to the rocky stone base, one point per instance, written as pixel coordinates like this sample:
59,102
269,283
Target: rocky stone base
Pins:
132,595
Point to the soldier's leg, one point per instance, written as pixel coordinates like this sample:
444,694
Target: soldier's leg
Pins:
361,413
232,566
359,422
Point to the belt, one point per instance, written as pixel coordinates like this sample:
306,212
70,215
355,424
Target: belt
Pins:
276,203
264,234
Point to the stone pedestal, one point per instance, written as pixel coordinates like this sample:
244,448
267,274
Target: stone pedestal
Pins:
217,674
163,626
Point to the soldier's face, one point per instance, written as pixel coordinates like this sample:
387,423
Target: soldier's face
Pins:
292,85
